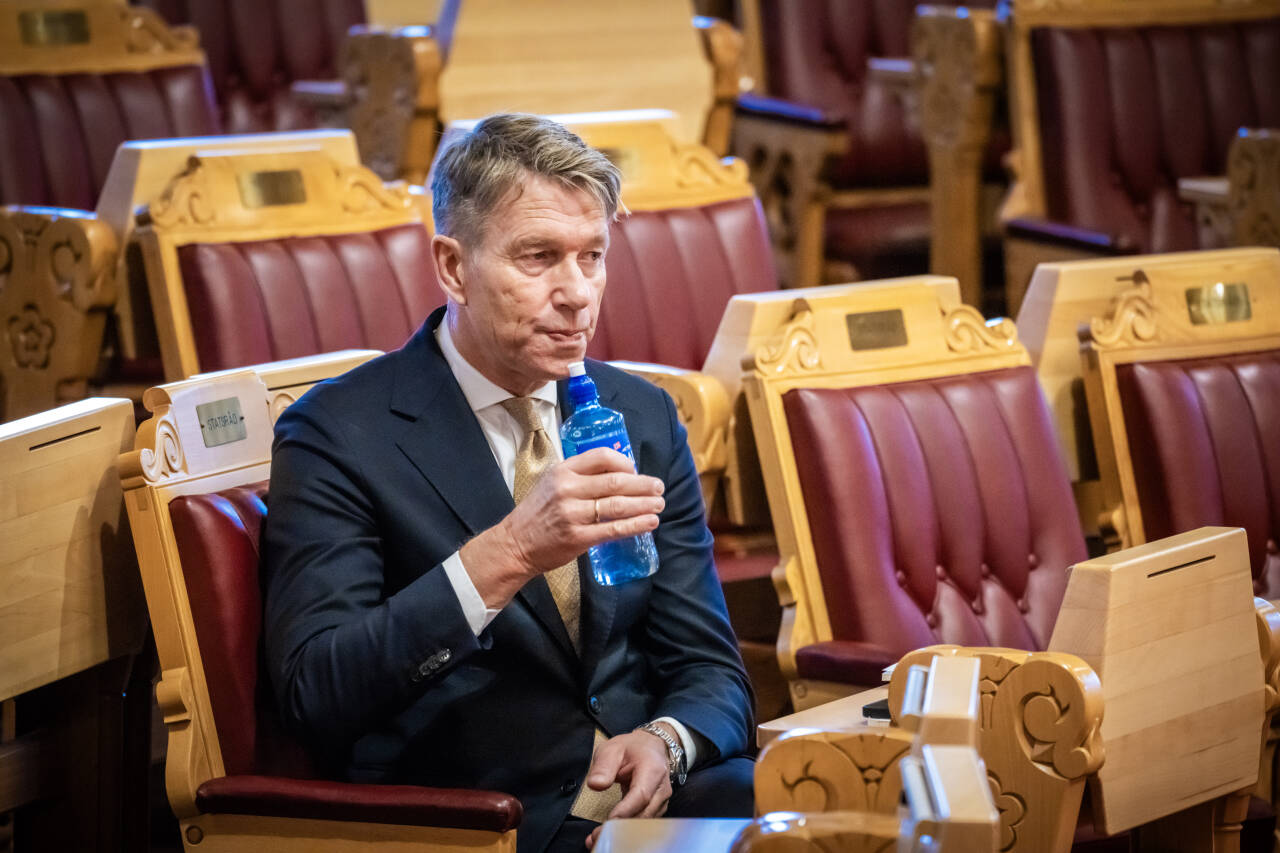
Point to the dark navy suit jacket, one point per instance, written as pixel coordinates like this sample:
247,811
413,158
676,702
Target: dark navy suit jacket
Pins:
378,476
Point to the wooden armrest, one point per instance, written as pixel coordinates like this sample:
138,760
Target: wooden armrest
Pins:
1062,235
839,715
703,407
409,805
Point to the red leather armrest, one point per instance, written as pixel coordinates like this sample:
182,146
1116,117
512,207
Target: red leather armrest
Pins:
409,805
1069,236
844,661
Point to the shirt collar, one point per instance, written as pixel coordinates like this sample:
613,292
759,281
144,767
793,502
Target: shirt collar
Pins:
480,392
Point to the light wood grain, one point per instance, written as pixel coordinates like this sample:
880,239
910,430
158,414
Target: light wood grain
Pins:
69,591
1169,627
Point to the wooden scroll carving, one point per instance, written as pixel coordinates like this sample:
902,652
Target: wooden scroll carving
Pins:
723,46
392,80
807,771
839,832
958,59
1132,318
1040,716
967,332
1253,187
794,349
56,286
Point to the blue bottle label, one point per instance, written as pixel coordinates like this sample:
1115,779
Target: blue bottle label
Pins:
618,442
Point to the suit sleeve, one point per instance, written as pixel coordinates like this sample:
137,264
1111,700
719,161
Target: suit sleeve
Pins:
692,649
341,653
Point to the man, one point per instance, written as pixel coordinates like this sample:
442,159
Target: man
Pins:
429,616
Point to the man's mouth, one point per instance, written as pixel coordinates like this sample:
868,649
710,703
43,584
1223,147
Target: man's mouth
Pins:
565,335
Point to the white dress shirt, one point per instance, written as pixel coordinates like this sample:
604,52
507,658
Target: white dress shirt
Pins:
505,435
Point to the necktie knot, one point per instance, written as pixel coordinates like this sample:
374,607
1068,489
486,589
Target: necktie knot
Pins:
525,412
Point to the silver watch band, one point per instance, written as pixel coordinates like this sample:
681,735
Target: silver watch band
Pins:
676,765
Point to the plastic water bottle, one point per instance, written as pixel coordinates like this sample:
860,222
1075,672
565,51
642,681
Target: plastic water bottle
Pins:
592,426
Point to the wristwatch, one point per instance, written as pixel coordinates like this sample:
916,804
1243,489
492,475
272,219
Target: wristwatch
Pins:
676,768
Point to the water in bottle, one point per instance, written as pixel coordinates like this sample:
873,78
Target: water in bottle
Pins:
591,426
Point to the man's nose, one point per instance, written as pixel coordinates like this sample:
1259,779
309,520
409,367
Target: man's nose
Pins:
574,288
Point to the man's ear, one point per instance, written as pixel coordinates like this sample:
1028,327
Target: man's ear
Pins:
446,253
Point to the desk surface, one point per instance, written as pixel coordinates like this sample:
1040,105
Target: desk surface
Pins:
640,835
838,716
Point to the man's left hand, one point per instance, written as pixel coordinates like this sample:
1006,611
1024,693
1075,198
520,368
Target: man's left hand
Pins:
638,760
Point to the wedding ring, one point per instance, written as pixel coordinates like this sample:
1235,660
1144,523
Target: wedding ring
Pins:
597,506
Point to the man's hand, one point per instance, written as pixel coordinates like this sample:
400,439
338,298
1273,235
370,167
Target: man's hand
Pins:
557,521
638,760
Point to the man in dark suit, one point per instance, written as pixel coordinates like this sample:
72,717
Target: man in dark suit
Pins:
420,508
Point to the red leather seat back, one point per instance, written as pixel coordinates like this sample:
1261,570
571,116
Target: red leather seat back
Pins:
1125,113
670,275
59,133
1204,436
816,52
217,539
268,300
258,49
940,509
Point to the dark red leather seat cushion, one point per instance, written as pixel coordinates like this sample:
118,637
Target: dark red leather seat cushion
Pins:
266,300
670,275
1125,113
1204,435
58,134
257,49
940,510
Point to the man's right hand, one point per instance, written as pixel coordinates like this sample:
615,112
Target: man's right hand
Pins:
557,521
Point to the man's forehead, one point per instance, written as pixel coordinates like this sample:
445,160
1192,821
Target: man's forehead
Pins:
537,204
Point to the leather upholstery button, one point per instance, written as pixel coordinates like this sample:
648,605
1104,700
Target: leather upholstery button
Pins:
1033,560
1024,606
931,620
976,606
595,704
1272,547
984,570
941,571
901,576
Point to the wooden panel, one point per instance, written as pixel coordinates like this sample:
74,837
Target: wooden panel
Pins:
1169,627
657,835
90,37
580,55
401,13
232,833
69,592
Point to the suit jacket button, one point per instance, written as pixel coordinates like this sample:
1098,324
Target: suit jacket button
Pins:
595,704
569,787
426,669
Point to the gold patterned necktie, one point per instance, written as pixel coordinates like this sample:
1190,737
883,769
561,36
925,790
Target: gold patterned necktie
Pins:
535,455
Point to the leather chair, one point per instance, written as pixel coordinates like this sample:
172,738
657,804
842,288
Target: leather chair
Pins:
1099,156
258,257
857,193
257,51
235,779
76,80
1182,375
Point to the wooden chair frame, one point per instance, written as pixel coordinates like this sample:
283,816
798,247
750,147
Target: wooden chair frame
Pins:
234,197
169,460
1151,321
1027,196
813,350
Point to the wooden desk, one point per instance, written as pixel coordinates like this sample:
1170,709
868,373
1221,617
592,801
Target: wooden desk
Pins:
657,835
838,716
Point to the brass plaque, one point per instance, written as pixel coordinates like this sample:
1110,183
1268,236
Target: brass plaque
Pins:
1219,303
54,27
272,189
627,161
221,422
876,329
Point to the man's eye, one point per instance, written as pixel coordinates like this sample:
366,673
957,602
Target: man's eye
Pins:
594,256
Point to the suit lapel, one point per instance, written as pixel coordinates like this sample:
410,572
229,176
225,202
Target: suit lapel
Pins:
445,442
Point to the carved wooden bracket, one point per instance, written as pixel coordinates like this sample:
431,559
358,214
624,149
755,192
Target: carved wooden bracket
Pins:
56,286
832,771
1131,320
967,332
723,46
793,349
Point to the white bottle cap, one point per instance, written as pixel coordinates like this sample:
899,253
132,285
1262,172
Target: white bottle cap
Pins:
577,368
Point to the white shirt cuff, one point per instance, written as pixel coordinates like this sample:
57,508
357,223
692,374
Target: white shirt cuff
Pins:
477,615
686,740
